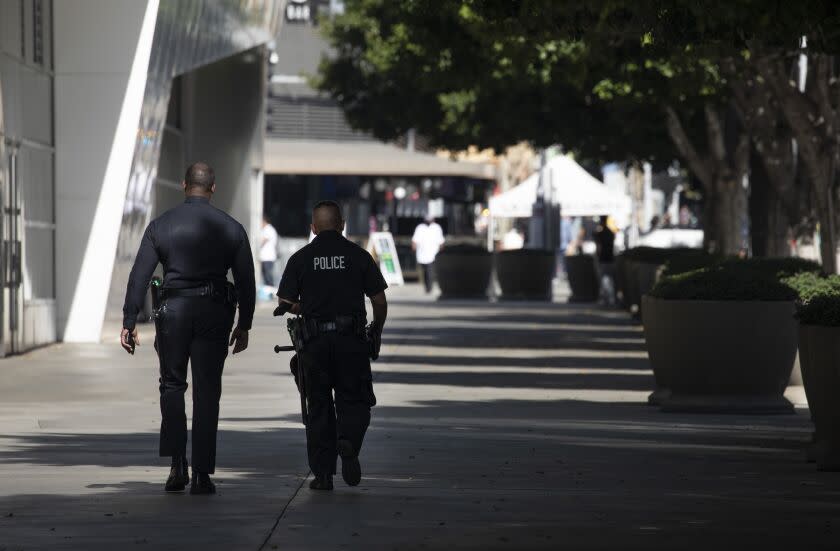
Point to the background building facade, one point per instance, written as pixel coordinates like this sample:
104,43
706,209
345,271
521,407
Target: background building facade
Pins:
102,105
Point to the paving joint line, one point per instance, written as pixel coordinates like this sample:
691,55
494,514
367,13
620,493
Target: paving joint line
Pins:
283,512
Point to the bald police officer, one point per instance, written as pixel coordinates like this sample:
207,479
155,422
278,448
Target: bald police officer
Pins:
326,281
197,244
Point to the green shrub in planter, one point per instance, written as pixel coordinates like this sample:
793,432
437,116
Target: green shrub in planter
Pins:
689,260
809,285
778,267
723,283
818,312
822,310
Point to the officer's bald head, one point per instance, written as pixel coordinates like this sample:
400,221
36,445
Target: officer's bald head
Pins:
327,216
200,179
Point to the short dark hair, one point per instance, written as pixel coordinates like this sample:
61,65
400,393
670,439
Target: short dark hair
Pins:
330,218
201,175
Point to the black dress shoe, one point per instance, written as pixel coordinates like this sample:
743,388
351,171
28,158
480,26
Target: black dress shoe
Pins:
351,470
321,483
179,475
201,484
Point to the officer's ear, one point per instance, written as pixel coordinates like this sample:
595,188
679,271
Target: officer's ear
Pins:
312,229
184,185
213,188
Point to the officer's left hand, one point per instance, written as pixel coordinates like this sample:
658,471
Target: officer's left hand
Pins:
240,338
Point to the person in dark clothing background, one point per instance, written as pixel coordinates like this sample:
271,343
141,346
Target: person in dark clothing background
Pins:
326,282
197,244
605,243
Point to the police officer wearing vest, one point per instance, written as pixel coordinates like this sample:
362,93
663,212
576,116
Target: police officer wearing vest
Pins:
197,244
326,282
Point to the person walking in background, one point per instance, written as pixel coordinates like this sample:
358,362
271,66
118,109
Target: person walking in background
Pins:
605,243
268,251
427,242
514,239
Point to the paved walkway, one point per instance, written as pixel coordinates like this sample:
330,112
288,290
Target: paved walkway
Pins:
517,426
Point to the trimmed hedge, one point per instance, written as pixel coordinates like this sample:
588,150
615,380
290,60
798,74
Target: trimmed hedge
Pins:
778,267
769,279
821,310
722,283
653,255
819,299
689,260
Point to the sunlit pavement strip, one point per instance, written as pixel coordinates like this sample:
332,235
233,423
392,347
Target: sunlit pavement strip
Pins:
519,426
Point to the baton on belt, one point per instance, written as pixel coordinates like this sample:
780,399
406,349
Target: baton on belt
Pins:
293,325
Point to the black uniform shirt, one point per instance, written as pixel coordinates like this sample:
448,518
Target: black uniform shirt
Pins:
330,276
196,243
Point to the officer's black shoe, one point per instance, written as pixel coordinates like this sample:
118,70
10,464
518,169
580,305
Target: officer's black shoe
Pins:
179,475
351,470
201,484
321,483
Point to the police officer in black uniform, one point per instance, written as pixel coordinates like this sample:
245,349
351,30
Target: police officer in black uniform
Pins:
197,244
326,281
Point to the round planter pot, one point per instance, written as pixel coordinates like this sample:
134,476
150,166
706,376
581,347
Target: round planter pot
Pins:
819,356
583,277
640,279
620,278
721,356
463,273
656,314
525,274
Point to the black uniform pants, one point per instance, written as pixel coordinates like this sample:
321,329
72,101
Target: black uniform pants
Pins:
336,363
195,330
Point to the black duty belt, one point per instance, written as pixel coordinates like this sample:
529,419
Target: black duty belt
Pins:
205,290
341,324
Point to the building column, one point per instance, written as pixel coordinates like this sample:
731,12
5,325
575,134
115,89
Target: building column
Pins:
102,50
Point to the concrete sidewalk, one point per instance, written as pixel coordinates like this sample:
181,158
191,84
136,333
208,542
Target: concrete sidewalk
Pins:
518,426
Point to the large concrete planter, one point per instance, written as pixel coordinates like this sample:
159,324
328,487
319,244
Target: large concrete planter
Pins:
819,356
640,277
526,274
463,272
721,356
620,266
583,277
655,319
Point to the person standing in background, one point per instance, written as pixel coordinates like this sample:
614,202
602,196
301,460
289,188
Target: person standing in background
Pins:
427,242
605,241
268,251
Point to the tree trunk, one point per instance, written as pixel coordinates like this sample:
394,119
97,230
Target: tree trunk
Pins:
710,222
731,206
828,235
770,223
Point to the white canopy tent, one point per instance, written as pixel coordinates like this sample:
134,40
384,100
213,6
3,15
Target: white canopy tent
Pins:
566,184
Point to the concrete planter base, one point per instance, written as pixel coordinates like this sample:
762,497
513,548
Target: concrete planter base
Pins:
658,396
820,360
525,274
712,403
721,356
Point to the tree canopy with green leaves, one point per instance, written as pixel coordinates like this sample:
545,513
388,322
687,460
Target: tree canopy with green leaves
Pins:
612,80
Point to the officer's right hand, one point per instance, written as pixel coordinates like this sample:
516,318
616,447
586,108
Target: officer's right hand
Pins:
239,340
129,339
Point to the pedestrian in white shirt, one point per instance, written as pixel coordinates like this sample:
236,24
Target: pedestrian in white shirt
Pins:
268,251
427,242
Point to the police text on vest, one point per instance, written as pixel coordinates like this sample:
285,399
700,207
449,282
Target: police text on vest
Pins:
328,262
